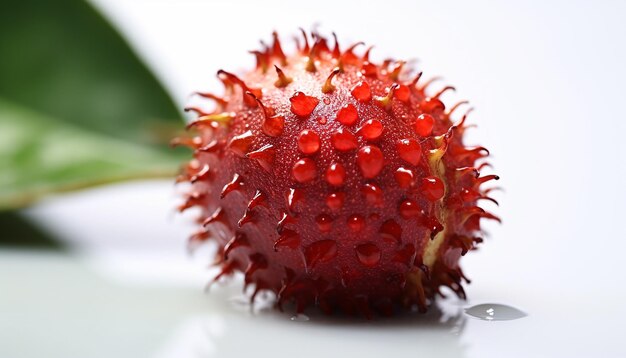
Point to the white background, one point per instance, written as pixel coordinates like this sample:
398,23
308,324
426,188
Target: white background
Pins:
547,81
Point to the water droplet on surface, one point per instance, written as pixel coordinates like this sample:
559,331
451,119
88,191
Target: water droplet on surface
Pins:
432,105
335,200
347,115
371,129
424,124
433,188
343,140
326,100
324,222
433,224
356,222
409,150
309,141
468,195
406,255
322,120
404,177
369,70
409,209
402,93
391,231
370,160
495,312
300,318
373,194
368,254
304,170
361,92
335,174
303,105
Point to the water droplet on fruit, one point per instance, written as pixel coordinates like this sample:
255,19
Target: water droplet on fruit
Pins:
322,120
308,141
361,92
405,255
373,194
409,150
495,312
424,124
356,223
303,105
273,126
326,100
335,174
433,188
370,160
343,140
402,93
432,105
369,70
335,200
319,252
409,209
371,129
433,225
347,115
368,254
304,170
404,177
391,231
324,222
469,195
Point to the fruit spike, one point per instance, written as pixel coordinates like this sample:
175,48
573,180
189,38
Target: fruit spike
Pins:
336,181
264,156
328,85
282,80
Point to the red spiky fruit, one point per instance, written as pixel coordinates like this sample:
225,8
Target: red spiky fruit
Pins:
330,180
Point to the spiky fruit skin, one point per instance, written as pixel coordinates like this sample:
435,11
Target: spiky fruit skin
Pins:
335,182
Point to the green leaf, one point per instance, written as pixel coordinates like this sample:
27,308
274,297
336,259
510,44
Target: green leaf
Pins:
42,155
77,106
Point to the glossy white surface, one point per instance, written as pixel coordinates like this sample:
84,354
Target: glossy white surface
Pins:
547,82
128,289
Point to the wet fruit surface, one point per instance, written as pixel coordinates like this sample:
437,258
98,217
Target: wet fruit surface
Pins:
335,181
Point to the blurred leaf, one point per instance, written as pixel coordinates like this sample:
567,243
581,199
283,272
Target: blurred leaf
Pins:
42,155
77,106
